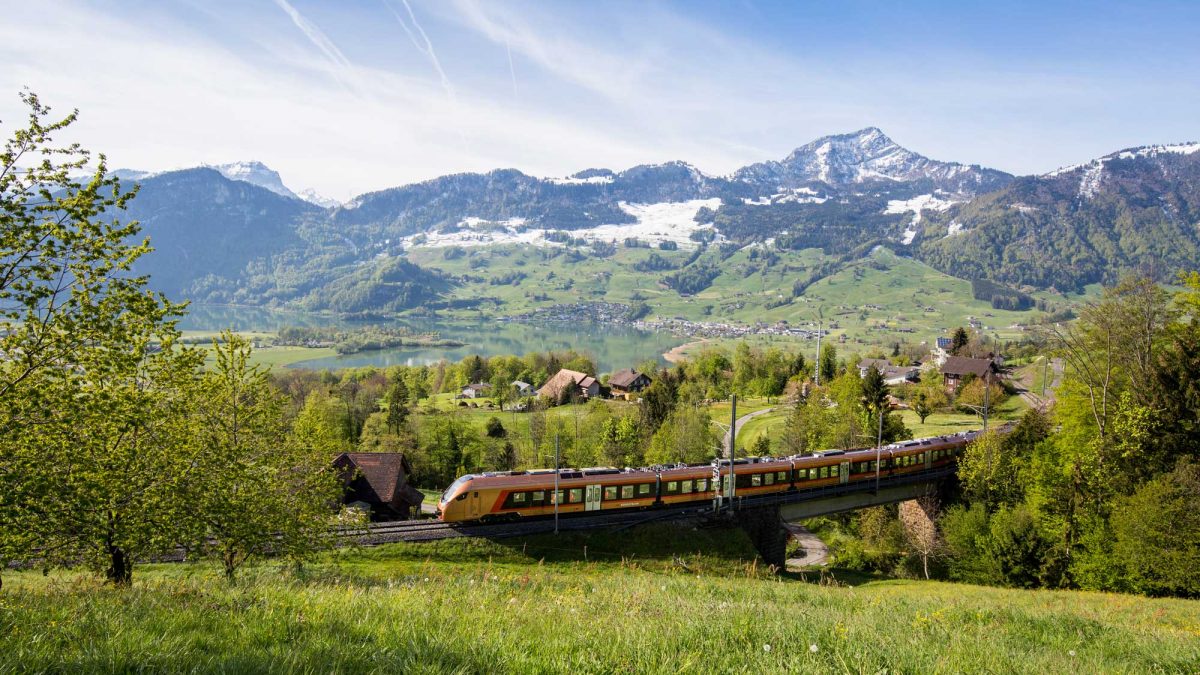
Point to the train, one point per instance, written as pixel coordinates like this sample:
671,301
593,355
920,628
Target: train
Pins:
515,495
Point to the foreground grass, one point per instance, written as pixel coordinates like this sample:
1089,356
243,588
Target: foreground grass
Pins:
645,601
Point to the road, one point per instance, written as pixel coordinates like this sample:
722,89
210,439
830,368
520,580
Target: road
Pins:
740,422
815,550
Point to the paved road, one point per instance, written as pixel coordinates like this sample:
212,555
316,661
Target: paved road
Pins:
815,550
741,421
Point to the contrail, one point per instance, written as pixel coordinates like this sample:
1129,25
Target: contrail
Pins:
423,44
511,70
318,38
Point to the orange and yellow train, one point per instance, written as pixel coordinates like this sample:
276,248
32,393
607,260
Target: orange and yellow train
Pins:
514,495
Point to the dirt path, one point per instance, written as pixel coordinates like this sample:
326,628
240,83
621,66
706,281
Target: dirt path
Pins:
676,354
815,551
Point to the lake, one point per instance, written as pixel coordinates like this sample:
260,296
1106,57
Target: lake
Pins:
612,347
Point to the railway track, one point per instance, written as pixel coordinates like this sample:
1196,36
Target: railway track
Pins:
427,530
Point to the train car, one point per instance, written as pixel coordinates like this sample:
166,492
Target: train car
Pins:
491,497
512,495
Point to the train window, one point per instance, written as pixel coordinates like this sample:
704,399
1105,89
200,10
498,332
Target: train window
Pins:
461,497
702,485
814,474
686,487
755,480
781,476
824,472
610,492
644,489
626,492
518,498
833,471
575,495
672,487
768,479
539,497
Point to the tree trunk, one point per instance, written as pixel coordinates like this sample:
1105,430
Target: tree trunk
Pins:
120,568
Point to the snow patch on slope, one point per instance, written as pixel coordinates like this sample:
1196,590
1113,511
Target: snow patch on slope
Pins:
665,221
916,205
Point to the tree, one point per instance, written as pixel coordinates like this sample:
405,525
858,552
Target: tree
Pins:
397,412
959,340
921,406
93,388
761,446
255,490
1157,534
687,437
919,517
828,363
493,428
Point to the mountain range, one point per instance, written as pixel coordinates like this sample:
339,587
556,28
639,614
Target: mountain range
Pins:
237,233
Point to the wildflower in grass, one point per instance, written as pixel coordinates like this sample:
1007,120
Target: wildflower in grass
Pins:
1071,653
813,648
767,648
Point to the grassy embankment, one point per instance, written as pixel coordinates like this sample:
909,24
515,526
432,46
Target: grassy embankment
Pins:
771,424
641,601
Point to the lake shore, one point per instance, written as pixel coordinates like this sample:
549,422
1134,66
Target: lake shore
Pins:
678,354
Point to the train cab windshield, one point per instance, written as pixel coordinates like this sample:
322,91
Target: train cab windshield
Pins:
449,493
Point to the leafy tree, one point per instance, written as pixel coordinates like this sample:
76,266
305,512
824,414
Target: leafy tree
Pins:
256,491
686,437
921,406
93,389
761,446
1157,534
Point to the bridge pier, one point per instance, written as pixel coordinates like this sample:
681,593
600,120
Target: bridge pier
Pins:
764,526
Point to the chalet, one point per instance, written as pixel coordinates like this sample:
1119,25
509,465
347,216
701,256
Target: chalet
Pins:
956,368
378,482
570,383
891,374
476,390
627,382
523,388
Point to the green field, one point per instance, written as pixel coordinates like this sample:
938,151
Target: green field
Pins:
667,598
873,301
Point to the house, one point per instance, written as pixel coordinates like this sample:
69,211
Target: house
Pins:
476,390
627,381
957,368
570,383
891,374
378,482
523,388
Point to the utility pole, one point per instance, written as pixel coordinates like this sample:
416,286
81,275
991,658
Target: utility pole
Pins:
878,449
732,448
1045,375
557,494
987,391
820,323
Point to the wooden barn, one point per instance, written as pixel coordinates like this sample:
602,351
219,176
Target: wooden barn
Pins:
379,481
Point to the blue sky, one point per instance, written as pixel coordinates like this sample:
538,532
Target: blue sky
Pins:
359,95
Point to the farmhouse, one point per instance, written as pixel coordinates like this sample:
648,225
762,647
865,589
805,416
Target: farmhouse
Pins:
567,383
956,368
476,390
378,482
891,374
627,381
523,388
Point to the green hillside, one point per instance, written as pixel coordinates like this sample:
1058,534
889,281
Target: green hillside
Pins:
668,598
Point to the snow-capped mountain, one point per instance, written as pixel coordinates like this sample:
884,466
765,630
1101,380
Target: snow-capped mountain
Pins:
1093,174
865,156
255,173
313,197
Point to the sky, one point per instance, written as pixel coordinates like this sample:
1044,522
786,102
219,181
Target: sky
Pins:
353,96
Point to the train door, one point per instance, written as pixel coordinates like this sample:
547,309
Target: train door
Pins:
844,473
591,497
928,459
473,505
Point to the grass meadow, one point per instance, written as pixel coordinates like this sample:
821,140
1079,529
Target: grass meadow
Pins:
666,598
